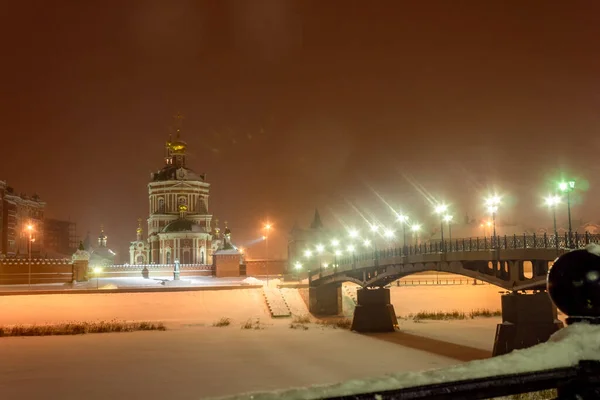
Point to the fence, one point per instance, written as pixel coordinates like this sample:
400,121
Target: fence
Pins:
573,241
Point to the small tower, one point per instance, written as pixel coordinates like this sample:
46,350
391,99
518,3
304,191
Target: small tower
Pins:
227,238
102,239
139,230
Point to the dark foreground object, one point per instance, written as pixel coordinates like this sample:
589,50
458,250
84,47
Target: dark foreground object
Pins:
374,312
527,319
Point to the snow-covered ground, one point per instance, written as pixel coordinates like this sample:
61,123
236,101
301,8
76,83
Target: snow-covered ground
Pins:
194,360
173,308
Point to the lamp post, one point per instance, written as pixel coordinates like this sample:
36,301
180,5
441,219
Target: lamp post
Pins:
374,230
351,249
552,202
29,243
320,249
441,209
97,271
448,219
298,267
415,228
404,220
567,187
267,229
492,204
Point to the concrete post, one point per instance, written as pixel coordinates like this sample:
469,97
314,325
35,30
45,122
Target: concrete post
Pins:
374,312
527,319
325,299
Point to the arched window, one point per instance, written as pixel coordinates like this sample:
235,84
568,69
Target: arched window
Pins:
161,205
202,256
168,257
140,259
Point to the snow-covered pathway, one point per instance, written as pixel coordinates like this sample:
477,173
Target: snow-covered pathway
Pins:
192,363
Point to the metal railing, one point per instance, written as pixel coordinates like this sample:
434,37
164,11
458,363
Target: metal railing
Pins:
576,240
581,381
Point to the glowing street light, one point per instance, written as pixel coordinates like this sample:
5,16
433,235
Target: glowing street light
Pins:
552,202
307,253
335,243
267,227
403,219
97,271
298,265
448,219
374,228
367,243
415,228
568,187
353,233
440,210
388,233
30,240
350,248
320,248
492,204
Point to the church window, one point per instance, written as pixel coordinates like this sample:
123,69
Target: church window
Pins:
161,205
168,257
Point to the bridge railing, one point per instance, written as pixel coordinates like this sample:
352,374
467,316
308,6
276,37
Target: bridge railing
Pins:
506,242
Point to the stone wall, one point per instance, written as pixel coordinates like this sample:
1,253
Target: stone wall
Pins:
15,271
265,267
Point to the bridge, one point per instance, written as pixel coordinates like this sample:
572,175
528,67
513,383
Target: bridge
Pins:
527,318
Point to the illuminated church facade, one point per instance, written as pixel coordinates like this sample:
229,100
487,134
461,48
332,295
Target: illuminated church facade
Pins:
179,224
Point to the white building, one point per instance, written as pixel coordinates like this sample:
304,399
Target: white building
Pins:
179,224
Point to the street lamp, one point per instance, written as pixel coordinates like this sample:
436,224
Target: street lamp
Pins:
404,220
320,249
29,243
567,187
440,210
492,204
448,219
388,233
335,243
336,253
266,237
97,271
552,201
353,233
415,228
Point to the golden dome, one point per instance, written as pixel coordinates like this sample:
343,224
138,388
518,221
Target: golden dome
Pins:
177,146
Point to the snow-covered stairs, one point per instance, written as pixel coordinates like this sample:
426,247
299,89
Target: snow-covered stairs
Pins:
276,303
351,292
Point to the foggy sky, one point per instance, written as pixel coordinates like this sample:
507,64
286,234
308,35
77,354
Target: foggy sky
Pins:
292,105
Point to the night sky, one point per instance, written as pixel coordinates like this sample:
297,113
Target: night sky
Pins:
292,105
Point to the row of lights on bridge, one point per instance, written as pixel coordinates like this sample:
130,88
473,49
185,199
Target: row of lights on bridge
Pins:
492,204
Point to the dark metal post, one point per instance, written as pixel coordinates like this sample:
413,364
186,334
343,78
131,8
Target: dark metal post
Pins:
442,242
569,216
450,235
494,222
404,238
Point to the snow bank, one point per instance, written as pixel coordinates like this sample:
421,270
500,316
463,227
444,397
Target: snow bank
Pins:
566,348
252,281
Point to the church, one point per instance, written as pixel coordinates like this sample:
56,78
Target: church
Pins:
180,227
